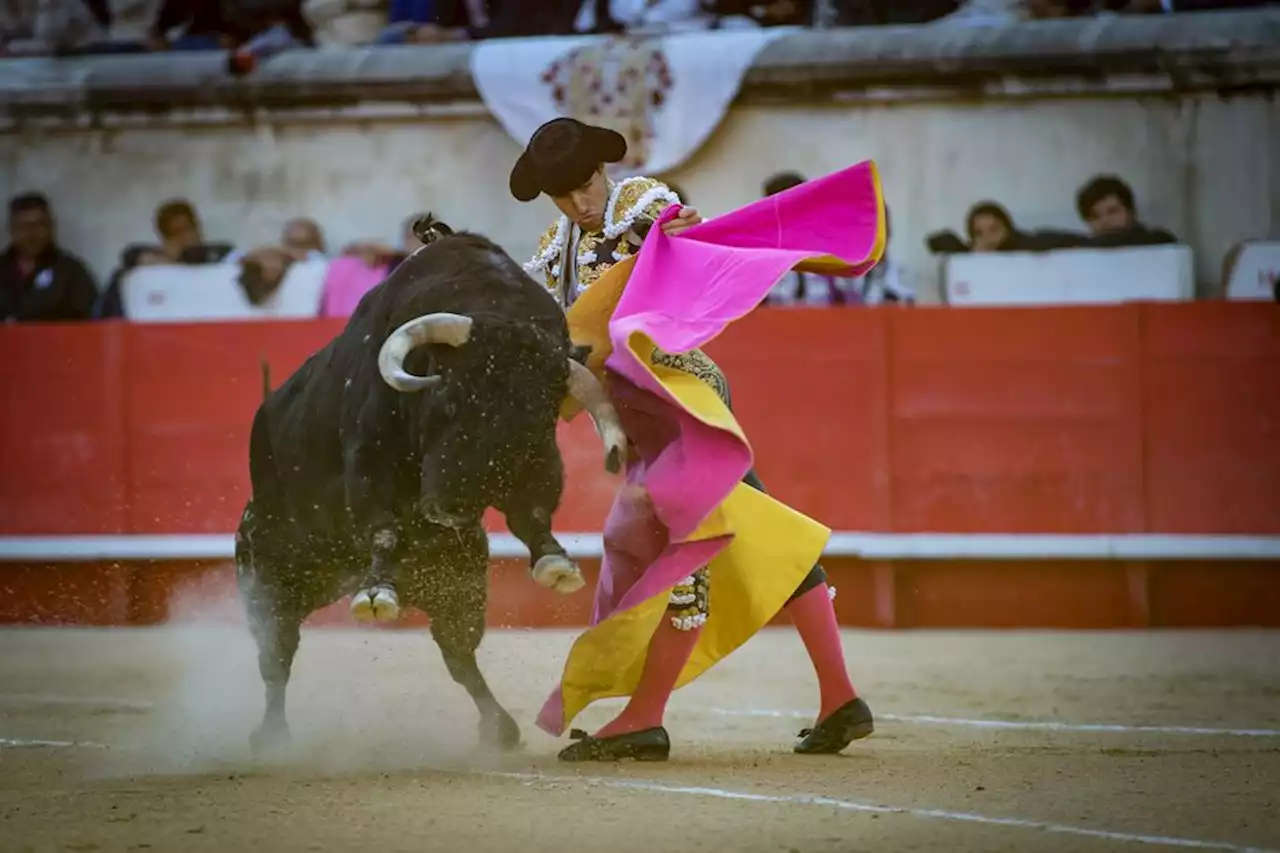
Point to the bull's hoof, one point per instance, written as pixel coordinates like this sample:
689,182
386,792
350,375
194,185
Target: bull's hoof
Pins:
270,740
558,572
378,604
500,732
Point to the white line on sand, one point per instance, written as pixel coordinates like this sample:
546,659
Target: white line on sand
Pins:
1028,725
786,799
849,805
29,743
16,700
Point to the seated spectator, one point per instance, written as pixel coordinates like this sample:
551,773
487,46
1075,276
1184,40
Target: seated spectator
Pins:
1170,6
41,28
305,236
990,229
610,16
865,13
520,18
39,280
249,28
182,242
262,270
432,21
1107,206
777,13
203,27
362,266
182,239
882,284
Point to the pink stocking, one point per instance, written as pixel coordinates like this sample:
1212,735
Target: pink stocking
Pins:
669,650
815,618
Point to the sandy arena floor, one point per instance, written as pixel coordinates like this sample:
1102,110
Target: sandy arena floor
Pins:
145,748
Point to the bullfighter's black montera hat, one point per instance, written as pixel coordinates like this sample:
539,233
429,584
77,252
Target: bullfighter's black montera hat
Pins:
561,156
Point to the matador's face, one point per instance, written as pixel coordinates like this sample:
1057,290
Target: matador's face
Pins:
585,205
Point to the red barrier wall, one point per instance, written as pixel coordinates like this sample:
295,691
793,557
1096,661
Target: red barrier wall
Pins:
1161,418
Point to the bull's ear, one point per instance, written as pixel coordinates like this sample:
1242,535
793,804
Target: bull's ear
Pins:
579,353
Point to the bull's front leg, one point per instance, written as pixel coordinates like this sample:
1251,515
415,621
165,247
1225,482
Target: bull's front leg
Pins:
378,601
370,495
528,516
549,563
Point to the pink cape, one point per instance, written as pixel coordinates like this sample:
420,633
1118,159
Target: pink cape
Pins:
682,293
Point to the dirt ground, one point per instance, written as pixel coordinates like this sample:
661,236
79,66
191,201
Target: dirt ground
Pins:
145,748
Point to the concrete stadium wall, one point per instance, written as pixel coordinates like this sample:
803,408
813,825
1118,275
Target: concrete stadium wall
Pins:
1200,166
1181,106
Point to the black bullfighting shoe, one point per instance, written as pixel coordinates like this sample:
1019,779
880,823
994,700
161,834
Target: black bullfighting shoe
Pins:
851,721
647,745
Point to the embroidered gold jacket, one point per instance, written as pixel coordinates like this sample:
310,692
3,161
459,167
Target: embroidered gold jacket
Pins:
633,205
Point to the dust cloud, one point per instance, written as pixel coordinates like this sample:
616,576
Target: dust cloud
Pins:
359,701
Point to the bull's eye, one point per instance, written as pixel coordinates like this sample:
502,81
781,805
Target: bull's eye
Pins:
450,410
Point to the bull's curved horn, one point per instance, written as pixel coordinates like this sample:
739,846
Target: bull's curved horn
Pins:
440,328
587,390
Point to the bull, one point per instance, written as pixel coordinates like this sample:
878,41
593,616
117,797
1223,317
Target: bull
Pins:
372,465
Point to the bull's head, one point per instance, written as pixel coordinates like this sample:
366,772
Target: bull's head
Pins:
454,330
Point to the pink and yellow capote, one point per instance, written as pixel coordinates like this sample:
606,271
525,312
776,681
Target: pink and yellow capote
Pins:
683,505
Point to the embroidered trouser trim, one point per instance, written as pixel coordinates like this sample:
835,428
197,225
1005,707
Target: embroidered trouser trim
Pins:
689,604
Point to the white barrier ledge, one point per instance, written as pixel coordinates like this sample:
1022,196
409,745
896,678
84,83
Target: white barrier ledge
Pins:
870,546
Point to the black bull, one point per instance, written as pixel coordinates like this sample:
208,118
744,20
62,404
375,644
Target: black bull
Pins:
371,465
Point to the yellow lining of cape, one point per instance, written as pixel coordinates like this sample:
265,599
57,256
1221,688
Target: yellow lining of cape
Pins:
770,549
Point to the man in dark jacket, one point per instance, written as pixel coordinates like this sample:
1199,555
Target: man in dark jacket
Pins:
1107,205
38,280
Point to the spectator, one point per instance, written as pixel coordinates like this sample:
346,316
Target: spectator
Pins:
863,13
182,239
362,267
262,270
226,25
990,228
44,27
882,284
608,16
780,181
40,281
1107,206
432,21
777,13
303,236
519,18
181,242
1168,6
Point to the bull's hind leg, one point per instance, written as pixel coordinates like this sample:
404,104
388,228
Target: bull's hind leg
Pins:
455,593
277,629
528,515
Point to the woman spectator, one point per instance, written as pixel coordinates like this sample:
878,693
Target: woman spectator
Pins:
990,228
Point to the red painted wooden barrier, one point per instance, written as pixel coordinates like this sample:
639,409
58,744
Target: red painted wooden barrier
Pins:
1120,419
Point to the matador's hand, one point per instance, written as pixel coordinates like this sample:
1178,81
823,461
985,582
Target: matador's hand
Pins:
685,219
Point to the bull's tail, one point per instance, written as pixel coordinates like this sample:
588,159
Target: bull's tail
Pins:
266,379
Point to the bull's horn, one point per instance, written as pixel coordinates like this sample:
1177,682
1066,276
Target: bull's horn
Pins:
587,390
441,328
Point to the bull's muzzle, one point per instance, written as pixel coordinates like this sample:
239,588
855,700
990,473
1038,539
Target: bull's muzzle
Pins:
441,328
